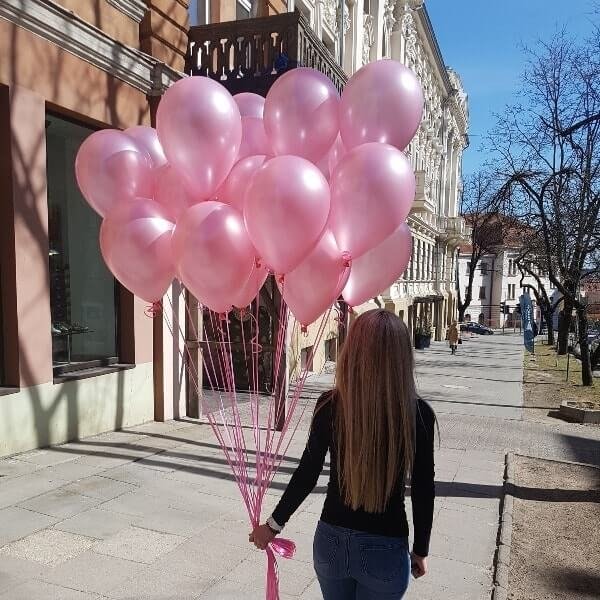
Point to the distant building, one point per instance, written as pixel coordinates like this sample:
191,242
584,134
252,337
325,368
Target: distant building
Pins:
497,282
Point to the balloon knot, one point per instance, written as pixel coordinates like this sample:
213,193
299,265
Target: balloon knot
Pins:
280,279
351,310
223,316
154,309
304,330
347,258
257,263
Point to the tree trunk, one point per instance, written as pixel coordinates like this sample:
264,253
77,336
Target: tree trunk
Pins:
564,326
550,325
587,377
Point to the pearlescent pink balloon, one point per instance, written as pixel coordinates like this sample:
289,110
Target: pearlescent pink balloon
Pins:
170,192
248,292
254,138
379,268
147,138
372,191
213,252
314,285
135,241
301,114
250,105
110,169
286,208
337,152
200,129
234,188
382,102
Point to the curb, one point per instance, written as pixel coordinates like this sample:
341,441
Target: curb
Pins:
502,558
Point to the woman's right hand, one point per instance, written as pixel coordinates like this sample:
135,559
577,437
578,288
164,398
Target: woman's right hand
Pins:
418,565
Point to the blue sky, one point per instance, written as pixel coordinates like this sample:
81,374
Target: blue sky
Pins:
482,40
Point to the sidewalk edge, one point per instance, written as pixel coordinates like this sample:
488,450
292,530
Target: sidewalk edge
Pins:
502,557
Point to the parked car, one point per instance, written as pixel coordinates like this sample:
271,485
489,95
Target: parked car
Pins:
478,328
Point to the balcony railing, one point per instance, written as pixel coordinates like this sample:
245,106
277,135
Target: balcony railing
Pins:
455,229
248,55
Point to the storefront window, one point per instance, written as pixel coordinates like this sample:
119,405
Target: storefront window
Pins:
82,290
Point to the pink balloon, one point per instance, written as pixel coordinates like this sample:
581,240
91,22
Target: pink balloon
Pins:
213,253
382,102
254,138
135,241
301,114
314,285
379,268
147,139
110,168
170,192
200,129
372,190
250,105
337,152
286,209
234,188
248,292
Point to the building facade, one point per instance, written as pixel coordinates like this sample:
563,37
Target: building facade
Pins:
425,297
497,283
76,348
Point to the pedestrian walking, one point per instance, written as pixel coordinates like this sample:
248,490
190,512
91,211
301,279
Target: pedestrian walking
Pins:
453,337
379,434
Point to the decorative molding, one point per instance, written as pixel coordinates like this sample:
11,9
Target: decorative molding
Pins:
54,23
134,9
368,37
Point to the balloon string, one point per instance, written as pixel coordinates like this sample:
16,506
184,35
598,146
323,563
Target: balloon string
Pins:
154,310
347,258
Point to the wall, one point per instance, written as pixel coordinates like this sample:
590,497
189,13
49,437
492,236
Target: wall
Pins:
48,414
38,75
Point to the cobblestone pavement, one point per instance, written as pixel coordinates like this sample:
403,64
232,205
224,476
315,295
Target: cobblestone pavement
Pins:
152,512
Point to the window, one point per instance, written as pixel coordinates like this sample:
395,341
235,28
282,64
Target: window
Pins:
468,268
2,375
242,9
482,292
82,291
306,358
484,268
401,315
481,319
511,291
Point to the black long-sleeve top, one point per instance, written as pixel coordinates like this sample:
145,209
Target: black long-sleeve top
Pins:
392,522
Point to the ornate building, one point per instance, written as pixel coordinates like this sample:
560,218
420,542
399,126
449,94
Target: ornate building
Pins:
339,43
426,295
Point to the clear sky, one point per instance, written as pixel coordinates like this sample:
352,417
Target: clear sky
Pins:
482,40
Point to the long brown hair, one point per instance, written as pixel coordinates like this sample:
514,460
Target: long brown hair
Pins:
375,409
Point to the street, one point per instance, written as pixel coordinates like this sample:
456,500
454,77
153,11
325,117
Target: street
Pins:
152,512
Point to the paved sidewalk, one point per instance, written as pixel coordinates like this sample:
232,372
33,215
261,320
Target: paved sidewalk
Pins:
152,512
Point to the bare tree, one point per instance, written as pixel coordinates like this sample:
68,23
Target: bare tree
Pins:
479,208
549,158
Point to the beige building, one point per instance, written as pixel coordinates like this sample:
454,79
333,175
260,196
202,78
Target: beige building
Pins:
425,297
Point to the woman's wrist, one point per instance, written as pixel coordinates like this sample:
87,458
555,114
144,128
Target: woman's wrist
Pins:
274,526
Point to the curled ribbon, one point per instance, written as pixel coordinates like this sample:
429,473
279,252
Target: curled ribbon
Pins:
154,309
284,548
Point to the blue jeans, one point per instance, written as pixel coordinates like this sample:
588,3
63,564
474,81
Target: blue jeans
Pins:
354,565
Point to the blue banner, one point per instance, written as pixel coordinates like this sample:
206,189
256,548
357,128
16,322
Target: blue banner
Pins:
528,321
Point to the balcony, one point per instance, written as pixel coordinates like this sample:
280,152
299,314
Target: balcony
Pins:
248,55
422,203
454,230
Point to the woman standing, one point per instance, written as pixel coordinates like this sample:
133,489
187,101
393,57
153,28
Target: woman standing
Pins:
453,337
379,434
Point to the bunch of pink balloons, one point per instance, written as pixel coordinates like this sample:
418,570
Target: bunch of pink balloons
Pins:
305,184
